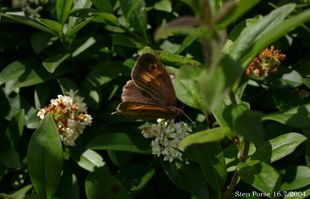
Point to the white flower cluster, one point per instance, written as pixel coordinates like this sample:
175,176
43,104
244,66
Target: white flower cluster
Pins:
167,136
70,115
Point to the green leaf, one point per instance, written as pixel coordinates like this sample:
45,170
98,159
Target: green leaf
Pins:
5,104
102,73
19,194
209,135
260,175
63,10
187,89
106,18
15,129
77,27
101,184
163,5
225,74
33,74
120,142
196,6
171,59
53,62
103,5
12,71
83,47
276,29
244,122
230,12
298,117
295,178
125,40
45,145
10,158
29,22
187,177
293,78
253,32
189,39
90,160
41,40
137,176
212,164
135,13
278,147
51,24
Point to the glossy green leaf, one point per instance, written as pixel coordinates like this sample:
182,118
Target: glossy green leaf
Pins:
212,164
102,73
253,32
120,142
163,5
106,18
230,12
171,59
135,13
298,117
45,145
51,24
260,175
102,184
63,10
244,122
29,22
53,62
34,73
41,40
77,27
293,78
187,177
209,135
84,46
278,147
12,71
103,5
187,89
90,160
19,194
295,178
189,39
277,30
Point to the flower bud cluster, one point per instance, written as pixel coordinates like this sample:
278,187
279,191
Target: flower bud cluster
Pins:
70,115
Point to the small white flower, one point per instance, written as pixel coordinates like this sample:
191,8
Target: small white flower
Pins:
167,137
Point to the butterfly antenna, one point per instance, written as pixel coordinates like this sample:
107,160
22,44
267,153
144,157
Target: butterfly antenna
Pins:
189,118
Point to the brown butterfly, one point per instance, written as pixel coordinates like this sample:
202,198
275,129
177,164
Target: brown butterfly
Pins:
150,93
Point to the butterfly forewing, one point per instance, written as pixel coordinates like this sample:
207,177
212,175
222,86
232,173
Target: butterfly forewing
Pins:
150,93
150,76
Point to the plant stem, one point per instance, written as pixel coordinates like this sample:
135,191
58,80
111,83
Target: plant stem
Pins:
235,176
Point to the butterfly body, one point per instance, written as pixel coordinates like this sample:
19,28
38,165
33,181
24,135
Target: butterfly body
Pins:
150,93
